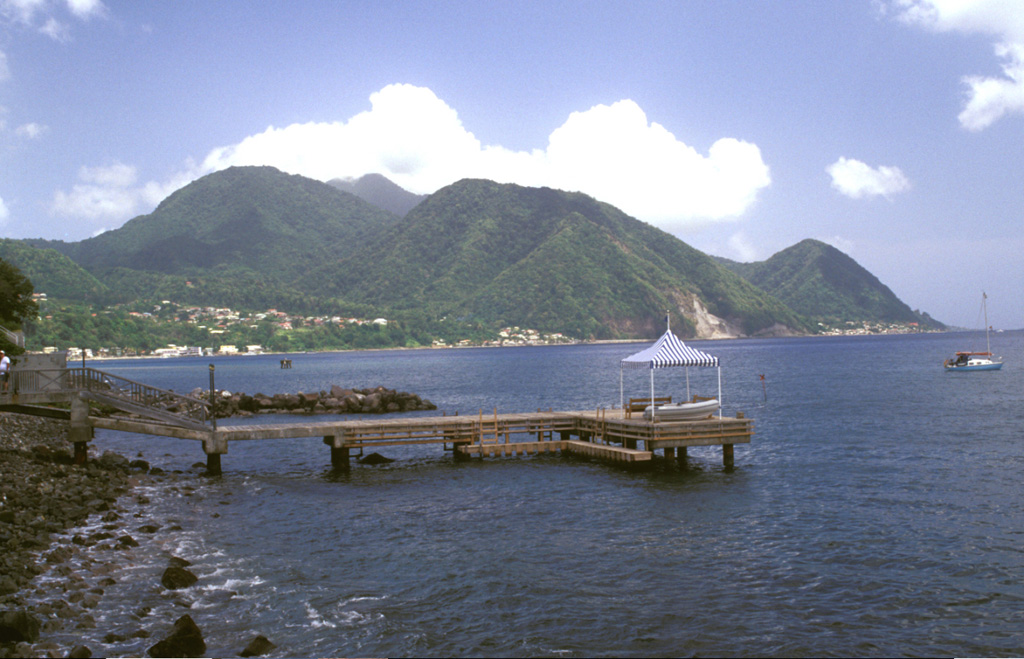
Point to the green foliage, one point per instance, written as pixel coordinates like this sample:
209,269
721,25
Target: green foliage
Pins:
256,220
471,258
16,303
53,273
536,257
823,283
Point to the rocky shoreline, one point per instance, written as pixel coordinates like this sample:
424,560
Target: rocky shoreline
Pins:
71,526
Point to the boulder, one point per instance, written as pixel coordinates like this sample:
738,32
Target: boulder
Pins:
375,459
257,647
177,577
185,640
18,626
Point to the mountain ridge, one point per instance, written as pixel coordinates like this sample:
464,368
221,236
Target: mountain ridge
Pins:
483,252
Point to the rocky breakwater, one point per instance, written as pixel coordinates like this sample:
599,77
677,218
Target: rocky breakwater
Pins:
41,493
337,400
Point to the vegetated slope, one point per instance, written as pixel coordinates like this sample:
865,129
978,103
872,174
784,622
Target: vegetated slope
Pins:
380,191
824,284
548,259
255,220
53,273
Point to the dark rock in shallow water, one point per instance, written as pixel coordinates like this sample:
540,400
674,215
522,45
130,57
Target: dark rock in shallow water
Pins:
375,459
17,626
186,640
257,647
176,561
177,577
80,652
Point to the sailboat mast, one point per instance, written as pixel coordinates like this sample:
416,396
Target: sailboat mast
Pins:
984,308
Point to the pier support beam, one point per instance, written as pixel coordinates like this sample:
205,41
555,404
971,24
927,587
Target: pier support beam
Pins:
681,457
727,458
339,453
214,447
340,458
670,453
79,431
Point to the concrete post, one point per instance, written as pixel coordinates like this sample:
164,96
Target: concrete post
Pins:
339,453
79,430
214,447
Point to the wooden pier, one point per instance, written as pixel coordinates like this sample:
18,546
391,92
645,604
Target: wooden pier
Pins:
605,434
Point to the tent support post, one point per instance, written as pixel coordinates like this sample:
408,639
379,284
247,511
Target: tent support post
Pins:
622,401
653,408
719,391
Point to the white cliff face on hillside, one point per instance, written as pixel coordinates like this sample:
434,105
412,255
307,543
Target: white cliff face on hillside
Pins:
708,325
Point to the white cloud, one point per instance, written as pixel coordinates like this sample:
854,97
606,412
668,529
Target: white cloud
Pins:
44,14
991,98
4,212
86,9
111,194
855,179
741,248
21,10
30,130
611,152
56,30
988,98
5,70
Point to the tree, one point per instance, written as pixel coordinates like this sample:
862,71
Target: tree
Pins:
16,303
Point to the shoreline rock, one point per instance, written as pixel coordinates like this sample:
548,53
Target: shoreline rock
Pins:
42,494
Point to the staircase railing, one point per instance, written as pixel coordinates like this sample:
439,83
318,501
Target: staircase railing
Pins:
118,392
17,338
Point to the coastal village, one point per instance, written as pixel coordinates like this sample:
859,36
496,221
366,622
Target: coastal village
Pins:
218,321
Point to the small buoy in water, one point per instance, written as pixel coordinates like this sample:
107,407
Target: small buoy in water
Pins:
375,459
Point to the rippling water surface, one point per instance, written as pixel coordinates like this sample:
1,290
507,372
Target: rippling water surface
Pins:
877,512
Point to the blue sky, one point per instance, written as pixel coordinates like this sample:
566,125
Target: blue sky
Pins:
892,130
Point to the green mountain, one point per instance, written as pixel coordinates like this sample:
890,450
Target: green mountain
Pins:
381,192
475,252
53,273
558,261
248,221
824,284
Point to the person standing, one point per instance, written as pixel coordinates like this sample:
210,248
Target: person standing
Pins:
5,369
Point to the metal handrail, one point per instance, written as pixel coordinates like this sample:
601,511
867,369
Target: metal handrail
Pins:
17,338
122,393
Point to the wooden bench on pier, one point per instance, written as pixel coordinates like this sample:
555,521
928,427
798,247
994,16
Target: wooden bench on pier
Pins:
641,404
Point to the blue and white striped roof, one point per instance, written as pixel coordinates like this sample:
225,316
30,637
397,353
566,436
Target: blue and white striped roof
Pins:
669,351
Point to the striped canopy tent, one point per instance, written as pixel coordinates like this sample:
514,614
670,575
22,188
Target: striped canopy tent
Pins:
668,352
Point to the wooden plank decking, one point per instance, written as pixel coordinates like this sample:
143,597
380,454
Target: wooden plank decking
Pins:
604,434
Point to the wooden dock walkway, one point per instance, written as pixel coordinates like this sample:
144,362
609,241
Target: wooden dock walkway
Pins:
603,434
606,434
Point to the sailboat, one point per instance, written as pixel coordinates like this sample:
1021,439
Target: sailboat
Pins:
976,361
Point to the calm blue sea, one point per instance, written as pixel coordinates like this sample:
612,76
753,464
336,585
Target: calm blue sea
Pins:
876,513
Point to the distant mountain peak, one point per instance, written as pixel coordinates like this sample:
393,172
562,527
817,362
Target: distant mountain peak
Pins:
380,191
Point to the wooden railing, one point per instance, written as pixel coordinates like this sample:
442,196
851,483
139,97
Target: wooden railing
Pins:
115,391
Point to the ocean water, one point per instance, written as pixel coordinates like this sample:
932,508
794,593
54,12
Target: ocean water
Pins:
877,512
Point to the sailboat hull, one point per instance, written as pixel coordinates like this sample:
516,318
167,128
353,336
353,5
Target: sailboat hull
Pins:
993,366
